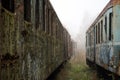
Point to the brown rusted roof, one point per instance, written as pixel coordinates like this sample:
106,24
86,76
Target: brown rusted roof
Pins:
115,2
110,4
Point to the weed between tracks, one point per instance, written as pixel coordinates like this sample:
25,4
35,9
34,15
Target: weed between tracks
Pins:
77,69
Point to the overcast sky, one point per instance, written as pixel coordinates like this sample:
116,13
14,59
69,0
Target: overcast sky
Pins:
77,15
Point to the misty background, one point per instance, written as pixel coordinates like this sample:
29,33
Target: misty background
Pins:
77,15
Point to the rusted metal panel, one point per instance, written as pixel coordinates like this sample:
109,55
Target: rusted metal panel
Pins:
115,2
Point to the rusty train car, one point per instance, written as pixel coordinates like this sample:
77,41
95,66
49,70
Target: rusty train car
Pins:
102,40
33,42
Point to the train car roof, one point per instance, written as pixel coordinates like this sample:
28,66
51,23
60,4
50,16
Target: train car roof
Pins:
110,4
51,7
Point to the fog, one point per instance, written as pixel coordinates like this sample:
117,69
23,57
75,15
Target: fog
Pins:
81,36
77,16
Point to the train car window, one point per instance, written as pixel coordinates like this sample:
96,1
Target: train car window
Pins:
106,26
47,20
96,34
37,14
89,40
27,10
56,28
110,26
93,37
50,21
101,31
61,32
43,13
86,40
52,26
9,5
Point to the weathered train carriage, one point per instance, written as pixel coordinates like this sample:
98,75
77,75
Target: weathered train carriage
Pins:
0,13
0,32
32,40
102,39
0,22
90,48
10,42
67,45
70,45
58,42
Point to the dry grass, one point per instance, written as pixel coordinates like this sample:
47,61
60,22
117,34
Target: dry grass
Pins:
78,58
77,69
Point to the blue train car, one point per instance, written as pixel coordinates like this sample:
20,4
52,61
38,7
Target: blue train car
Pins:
103,39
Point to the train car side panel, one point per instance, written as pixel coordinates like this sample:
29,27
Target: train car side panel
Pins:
116,46
107,39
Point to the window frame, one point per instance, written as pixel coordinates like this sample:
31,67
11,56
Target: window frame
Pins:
101,30
8,5
110,26
27,10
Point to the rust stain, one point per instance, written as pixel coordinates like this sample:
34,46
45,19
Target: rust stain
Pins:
114,2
